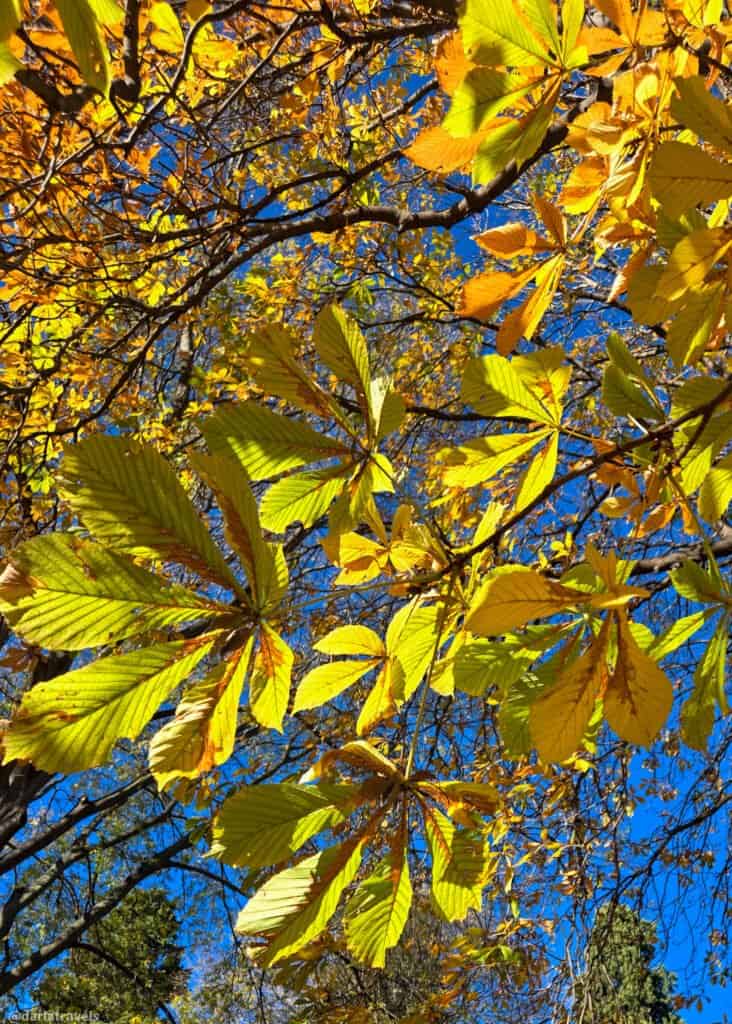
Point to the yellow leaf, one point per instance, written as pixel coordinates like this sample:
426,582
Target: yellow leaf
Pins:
167,34
477,461
639,695
351,640
559,717
202,733
381,702
553,220
691,260
451,64
510,240
539,474
583,187
434,149
359,557
484,294
323,683
682,176
705,114
522,322
511,599
269,684
716,491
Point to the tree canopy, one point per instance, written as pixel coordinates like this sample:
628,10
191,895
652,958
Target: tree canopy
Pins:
367,458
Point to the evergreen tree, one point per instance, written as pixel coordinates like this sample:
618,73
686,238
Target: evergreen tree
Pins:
125,970
620,984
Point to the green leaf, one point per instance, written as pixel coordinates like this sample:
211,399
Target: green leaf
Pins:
481,95
304,498
677,634
269,685
477,461
459,866
493,34
492,386
624,398
265,824
621,356
514,141
695,584
202,733
72,722
513,716
129,496
539,473
69,594
342,347
484,664
265,443
294,906
9,64
542,19
377,912
697,714
81,20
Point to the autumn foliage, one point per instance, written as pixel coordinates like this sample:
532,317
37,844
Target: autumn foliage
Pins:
301,464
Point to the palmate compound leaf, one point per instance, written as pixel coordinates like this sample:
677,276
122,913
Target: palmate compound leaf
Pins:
377,912
72,722
265,824
128,496
295,905
460,866
265,443
69,594
202,733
